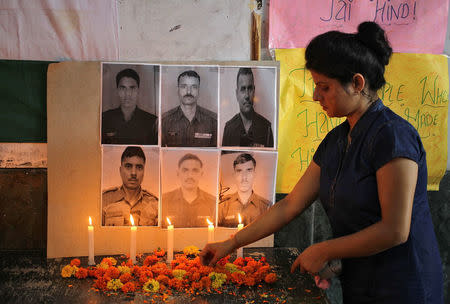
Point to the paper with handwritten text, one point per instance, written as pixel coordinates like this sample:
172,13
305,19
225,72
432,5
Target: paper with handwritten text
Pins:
417,89
413,26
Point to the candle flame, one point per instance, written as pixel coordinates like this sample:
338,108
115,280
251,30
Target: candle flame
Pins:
168,221
240,219
209,222
90,221
131,220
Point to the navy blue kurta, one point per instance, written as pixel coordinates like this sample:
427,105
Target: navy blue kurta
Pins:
407,273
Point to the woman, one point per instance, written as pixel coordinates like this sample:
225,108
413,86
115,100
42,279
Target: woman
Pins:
370,174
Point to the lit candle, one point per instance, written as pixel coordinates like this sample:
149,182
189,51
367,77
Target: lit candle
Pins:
210,231
132,240
169,241
91,243
240,226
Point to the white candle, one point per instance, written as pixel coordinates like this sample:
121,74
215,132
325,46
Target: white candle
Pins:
240,226
210,231
91,260
132,240
169,241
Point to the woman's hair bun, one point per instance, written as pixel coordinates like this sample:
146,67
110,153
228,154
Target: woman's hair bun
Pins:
373,36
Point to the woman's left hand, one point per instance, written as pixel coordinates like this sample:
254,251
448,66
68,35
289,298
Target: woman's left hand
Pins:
311,260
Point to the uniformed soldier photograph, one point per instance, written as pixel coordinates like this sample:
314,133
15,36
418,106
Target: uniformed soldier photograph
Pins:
125,190
247,186
130,104
189,187
248,106
189,103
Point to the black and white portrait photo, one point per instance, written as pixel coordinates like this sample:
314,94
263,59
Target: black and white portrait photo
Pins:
189,105
247,186
189,187
130,185
130,104
248,106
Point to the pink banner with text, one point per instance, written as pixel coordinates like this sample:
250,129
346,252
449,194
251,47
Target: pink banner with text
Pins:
413,26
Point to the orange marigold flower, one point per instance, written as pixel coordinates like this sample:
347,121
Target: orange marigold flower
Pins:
136,271
125,278
196,285
128,287
81,273
206,282
112,272
91,272
100,272
205,270
151,260
75,262
271,278
196,276
252,263
159,252
163,279
249,281
176,284
239,262
143,278
248,269
223,260
238,278
129,263
100,283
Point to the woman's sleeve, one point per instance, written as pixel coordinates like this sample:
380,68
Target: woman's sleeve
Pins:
393,140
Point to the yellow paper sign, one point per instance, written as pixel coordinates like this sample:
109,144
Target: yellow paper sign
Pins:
416,89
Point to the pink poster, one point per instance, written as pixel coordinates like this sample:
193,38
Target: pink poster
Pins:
412,26
59,30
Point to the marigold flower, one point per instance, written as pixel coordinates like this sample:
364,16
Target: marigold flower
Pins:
239,262
103,266
68,271
91,272
151,260
81,273
125,278
205,270
124,269
238,278
178,273
151,286
223,261
191,250
100,283
206,282
270,278
163,279
196,276
161,268
128,287
75,262
231,267
249,281
217,279
114,284
176,283
159,252
112,272
110,261
100,272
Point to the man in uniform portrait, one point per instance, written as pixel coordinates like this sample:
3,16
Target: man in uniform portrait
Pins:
188,205
128,124
244,201
119,202
247,128
189,124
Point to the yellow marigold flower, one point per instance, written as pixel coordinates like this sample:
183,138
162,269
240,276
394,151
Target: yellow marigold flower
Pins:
217,279
68,271
191,250
114,284
103,265
124,269
151,286
178,273
233,268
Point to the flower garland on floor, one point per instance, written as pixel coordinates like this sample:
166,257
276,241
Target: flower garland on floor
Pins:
185,273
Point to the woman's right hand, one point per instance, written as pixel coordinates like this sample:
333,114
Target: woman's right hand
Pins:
213,252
